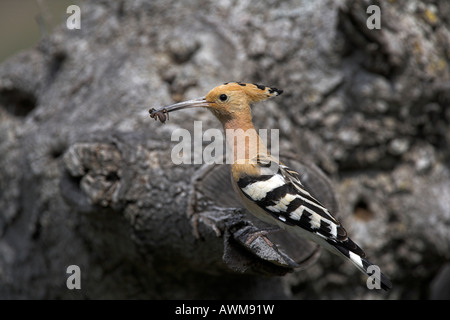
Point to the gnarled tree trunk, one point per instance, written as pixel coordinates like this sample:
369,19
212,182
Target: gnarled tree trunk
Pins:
86,177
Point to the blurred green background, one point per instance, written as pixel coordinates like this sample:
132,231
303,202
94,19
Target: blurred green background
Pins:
24,22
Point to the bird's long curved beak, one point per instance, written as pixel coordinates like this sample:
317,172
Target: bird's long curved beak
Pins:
161,112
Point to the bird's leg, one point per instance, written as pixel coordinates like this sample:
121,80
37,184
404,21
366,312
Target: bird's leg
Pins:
216,219
252,236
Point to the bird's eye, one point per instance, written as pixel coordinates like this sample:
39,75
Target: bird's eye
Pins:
223,97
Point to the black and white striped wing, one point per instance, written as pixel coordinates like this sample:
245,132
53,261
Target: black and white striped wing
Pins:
283,196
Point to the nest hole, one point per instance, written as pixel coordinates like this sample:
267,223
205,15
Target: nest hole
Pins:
362,211
17,102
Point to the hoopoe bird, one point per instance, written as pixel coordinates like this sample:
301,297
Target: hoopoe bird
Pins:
267,188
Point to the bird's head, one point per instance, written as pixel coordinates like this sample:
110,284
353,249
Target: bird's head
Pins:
227,102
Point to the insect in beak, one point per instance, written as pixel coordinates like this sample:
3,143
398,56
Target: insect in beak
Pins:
159,114
163,113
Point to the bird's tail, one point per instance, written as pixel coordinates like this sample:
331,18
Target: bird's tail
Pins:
357,257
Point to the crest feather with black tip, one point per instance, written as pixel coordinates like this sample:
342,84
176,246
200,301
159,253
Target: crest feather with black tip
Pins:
256,92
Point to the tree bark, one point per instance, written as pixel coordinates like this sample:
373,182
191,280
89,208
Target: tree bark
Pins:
87,179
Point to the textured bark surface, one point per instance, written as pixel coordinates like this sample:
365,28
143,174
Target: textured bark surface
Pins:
86,177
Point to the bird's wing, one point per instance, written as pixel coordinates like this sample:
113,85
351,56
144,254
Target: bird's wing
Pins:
281,194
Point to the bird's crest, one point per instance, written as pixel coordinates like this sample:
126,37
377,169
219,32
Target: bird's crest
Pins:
255,92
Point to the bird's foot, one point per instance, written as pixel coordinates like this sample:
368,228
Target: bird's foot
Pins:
261,233
215,219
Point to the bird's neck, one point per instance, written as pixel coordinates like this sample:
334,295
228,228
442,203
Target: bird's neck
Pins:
243,140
